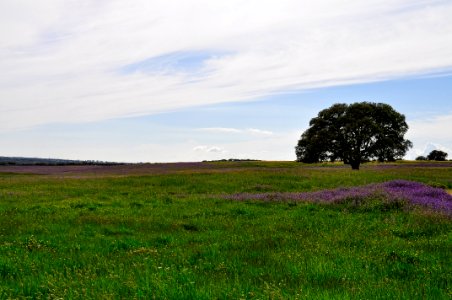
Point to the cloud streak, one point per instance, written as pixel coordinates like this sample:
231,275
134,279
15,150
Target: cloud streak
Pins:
65,61
253,131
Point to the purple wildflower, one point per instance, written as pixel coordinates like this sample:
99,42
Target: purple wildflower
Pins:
414,193
420,194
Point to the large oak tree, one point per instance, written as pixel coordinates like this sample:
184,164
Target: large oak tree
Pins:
354,133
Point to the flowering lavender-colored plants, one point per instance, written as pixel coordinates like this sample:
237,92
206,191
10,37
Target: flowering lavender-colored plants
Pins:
391,192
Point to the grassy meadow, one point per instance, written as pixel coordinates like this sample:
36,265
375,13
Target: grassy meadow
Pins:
175,235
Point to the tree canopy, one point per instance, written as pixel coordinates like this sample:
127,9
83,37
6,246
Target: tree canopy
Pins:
437,155
354,133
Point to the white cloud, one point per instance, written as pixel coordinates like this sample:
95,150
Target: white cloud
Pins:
425,149
220,130
279,146
209,149
253,131
259,131
215,149
437,128
429,134
61,61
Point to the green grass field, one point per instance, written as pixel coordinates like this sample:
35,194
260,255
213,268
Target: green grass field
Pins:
172,235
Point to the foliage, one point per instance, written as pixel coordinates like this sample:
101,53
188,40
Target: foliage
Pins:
173,235
437,155
421,157
354,133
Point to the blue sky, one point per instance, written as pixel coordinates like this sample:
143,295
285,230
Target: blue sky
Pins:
188,81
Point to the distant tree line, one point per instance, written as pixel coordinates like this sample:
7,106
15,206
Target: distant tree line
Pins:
437,155
27,161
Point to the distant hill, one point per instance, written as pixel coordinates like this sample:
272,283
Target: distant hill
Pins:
22,161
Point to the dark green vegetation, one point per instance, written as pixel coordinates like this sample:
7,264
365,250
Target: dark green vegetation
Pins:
437,155
4,160
171,235
354,133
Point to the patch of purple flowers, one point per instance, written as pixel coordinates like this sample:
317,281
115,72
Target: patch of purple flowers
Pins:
413,165
411,192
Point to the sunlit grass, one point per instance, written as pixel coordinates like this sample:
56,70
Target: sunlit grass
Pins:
175,236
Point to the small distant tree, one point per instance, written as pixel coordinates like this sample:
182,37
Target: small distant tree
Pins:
421,158
354,133
437,155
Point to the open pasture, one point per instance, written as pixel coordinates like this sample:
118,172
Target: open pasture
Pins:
175,231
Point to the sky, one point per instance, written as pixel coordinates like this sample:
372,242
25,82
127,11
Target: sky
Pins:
174,80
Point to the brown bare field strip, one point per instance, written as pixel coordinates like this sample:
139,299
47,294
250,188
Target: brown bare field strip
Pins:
99,170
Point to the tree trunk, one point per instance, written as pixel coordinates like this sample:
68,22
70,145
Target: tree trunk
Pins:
355,165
